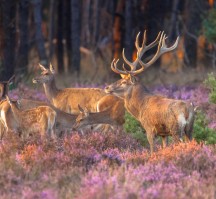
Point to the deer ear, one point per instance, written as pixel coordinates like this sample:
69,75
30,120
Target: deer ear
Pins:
80,109
52,69
86,111
42,67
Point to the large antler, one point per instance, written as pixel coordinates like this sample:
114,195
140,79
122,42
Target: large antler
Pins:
162,48
140,50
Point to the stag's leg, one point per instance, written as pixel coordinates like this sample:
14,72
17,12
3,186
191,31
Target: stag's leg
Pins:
175,137
187,138
164,141
150,137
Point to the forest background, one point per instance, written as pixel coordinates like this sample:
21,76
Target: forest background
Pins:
80,38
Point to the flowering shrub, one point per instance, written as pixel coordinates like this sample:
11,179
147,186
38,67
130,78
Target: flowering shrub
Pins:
109,165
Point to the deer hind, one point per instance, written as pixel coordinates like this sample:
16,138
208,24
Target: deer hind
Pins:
67,99
158,115
108,116
40,119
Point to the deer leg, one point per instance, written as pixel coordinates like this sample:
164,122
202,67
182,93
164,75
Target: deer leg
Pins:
175,138
186,138
150,137
164,141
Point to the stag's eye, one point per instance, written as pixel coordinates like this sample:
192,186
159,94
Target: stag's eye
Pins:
124,82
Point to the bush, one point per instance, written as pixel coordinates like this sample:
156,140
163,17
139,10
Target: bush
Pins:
210,83
209,25
133,127
201,130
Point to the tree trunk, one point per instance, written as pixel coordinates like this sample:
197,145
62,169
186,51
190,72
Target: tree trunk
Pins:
173,22
60,47
155,14
193,17
96,22
128,32
75,35
51,27
117,29
22,58
9,45
67,30
85,23
38,31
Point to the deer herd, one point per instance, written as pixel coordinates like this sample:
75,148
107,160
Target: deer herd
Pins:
100,109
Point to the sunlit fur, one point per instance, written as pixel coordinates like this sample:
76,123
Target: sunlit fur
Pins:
36,120
112,115
67,99
157,114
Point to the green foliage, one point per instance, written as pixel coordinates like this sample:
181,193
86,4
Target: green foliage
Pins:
201,131
210,83
209,25
133,127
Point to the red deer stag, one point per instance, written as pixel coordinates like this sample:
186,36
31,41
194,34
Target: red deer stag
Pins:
158,115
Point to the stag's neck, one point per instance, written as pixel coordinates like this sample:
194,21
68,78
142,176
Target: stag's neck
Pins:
103,117
50,90
136,99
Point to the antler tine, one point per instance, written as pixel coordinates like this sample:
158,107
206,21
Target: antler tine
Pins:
162,48
140,50
151,45
42,67
115,69
131,64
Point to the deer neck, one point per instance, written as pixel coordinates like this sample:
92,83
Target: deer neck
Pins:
103,117
16,112
50,90
135,99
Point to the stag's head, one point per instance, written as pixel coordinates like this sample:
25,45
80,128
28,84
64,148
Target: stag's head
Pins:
129,79
82,118
46,76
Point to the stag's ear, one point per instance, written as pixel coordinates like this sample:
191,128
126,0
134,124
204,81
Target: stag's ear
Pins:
42,67
133,79
52,70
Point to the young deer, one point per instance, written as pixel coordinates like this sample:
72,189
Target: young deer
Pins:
63,120
67,99
109,116
158,115
41,119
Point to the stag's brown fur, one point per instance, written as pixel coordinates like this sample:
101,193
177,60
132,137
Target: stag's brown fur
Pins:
157,114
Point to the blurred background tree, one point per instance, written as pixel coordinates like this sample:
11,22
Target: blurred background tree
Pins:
83,36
